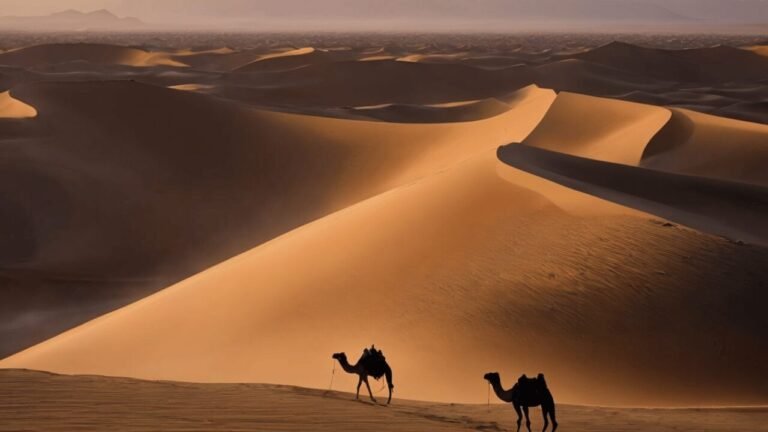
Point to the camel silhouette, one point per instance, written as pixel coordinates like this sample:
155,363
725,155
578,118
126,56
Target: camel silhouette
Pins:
526,393
371,363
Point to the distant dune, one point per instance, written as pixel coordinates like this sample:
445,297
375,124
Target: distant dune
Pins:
47,55
356,83
717,64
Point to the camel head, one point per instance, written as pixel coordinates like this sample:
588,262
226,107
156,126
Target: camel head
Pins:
339,356
492,377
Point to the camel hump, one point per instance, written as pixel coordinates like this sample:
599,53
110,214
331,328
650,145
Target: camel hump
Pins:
532,383
541,380
374,362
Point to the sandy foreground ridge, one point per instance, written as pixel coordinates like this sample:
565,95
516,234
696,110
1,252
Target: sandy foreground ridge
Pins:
467,212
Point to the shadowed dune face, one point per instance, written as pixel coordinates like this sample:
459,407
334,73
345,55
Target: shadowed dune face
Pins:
362,83
374,208
717,64
47,55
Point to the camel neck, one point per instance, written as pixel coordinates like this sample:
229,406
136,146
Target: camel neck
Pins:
346,366
500,392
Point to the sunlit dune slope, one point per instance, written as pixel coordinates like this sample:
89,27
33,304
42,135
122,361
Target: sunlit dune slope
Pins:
466,271
597,128
52,54
704,145
198,179
14,108
263,173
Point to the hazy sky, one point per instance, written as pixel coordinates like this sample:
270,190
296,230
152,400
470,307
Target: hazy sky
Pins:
210,12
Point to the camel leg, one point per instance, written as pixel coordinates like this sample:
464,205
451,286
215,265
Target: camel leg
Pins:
359,383
552,415
527,419
519,416
546,421
369,389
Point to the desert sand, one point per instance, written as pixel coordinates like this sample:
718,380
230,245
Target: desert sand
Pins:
57,403
228,215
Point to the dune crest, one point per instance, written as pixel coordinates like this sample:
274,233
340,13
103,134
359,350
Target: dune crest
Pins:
705,145
597,128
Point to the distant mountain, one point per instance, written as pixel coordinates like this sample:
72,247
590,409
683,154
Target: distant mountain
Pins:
70,20
724,11
561,10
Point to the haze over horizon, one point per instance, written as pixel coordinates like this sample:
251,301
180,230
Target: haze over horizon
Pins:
422,15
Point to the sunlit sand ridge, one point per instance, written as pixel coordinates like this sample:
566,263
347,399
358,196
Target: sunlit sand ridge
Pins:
15,109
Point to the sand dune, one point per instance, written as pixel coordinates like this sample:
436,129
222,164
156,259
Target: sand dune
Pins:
760,49
294,59
755,112
433,58
193,195
368,204
14,108
52,54
362,166
192,87
355,83
218,60
441,113
730,209
717,64
453,266
52,403
595,128
580,76
703,145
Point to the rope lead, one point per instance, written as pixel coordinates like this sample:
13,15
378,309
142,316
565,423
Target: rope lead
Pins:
333,373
